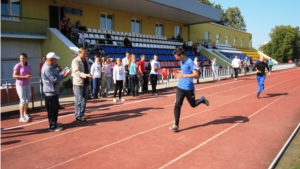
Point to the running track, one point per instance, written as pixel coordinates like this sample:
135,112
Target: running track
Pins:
237,130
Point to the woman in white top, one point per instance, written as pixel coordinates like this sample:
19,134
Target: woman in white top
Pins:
214,68
119,79
96,73
155,66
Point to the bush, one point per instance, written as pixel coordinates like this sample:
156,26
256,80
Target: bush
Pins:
68,83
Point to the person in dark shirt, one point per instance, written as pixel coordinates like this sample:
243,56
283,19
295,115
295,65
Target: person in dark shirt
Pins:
127,42
261,74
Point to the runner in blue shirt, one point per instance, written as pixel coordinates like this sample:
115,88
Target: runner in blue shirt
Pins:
185,86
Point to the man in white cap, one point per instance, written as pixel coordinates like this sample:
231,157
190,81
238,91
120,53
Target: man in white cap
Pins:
51,78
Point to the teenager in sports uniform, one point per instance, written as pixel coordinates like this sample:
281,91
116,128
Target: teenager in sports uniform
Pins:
185,87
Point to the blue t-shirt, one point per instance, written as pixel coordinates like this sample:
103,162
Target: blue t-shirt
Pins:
132,68
187,67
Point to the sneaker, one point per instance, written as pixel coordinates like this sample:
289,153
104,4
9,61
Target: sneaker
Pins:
79,119
85,117
23,120
58,128
114,100
58,124
206,102
27,116
121,99
257,94
174,128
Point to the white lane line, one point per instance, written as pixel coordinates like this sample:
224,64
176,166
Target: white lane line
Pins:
219,134
143,132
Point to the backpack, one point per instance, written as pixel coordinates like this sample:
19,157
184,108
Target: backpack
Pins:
148,66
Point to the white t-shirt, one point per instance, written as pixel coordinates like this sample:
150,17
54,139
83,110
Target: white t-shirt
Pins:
196,65
82,37
154,63
198,48
96,70
118,72
190,43
236,63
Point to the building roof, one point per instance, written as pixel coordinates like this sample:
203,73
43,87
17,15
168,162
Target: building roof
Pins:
186,12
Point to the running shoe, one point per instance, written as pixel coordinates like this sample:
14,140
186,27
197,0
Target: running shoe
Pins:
58,128
114,100
27,116
121,99
23,120
174,128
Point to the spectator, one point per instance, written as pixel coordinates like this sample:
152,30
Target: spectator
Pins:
246,65
127,42
197,68
106,67
81,75
22,74
155,66
202,67
51,80
97,48
270,64
236,65
118,77
215,67
126,67
199,49
185,46
63,28
82,40
42,63
134,75
190,45
214,46
143,72
96,73
68,28
78,25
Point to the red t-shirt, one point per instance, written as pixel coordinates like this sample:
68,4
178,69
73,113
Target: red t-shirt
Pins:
142,64
41,65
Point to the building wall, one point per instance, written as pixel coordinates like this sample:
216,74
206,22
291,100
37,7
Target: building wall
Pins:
91,17
197,33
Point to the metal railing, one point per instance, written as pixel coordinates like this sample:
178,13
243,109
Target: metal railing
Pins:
17,25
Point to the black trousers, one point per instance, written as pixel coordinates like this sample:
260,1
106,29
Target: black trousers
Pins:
52,110
127,83
118,86
153,80
134,84
236,72
145,82
190,96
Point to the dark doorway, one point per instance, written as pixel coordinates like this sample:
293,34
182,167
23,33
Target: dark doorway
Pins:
54,17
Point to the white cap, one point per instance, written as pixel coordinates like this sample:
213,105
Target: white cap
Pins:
52,55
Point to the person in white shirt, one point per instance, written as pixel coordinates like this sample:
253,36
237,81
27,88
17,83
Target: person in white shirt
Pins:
197,67
119,79
215,67
236,66
96,73
106,67
190,45
82,40
125,62
198,49
155,66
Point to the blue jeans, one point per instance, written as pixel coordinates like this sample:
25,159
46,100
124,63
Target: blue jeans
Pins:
81,96
96,84
261,83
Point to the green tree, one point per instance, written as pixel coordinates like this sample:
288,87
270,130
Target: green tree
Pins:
235,19
284,44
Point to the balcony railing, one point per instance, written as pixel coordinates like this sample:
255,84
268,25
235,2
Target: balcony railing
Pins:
15,25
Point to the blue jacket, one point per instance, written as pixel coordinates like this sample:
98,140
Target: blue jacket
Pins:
51,79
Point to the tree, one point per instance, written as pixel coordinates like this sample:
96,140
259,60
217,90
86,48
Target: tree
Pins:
284,44
232,17
235,19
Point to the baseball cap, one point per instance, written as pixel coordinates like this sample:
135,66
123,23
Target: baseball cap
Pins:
52,55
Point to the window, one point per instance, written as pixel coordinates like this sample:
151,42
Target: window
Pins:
10,7
106,21
177,31
159,29
206,36
135,25
242,42
217,38
234,41
226,40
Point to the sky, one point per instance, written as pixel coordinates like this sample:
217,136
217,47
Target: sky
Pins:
263,15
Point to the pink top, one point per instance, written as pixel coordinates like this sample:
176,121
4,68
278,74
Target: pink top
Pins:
22,71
